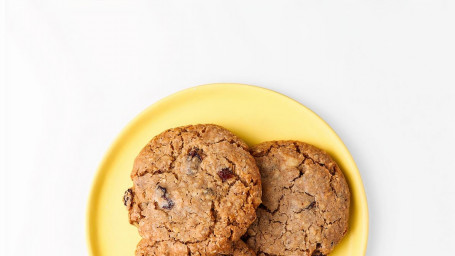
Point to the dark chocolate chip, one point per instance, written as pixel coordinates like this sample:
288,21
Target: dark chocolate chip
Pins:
195,152
169,204
225,174
194,160
162,190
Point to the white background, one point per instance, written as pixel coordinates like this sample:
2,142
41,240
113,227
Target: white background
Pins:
74,73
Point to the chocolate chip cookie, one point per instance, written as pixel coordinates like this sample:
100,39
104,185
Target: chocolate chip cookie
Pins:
305,202
169,248
195,186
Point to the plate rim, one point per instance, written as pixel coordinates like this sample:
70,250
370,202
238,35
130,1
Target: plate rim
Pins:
98,174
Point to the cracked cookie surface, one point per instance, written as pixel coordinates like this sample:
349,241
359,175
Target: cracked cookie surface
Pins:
196,187
305,202
167,248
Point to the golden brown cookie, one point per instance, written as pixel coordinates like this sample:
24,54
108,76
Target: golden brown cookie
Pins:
239,248
170,248
305,202
196,186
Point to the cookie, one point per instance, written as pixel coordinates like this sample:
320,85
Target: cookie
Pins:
196,186
161,248
305,202
170,248
239,248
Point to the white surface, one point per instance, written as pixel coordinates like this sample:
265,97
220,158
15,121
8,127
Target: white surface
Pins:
381,73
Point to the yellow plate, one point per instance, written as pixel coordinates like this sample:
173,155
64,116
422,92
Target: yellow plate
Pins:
254,114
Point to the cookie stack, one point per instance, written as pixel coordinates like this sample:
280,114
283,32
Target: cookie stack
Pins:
197,190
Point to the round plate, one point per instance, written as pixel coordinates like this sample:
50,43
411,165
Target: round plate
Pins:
254,114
